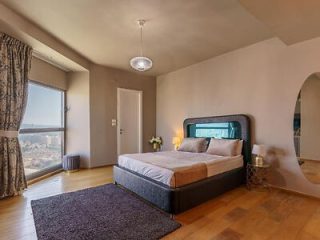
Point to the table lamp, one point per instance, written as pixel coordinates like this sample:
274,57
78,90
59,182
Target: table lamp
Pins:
176,141
260,152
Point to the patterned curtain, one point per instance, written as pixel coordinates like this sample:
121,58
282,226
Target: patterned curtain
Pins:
15,61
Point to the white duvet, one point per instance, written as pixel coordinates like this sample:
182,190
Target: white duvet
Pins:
175,169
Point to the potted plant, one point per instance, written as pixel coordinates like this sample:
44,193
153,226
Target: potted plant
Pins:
156,143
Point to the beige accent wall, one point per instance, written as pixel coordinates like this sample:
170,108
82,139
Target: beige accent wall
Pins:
310,119
263,81
78,117
104,82
46,73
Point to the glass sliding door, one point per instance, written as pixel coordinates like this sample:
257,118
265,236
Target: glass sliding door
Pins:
42,130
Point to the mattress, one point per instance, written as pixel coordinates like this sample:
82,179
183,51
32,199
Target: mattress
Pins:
176,169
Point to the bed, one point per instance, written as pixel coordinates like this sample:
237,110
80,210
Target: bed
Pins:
177,181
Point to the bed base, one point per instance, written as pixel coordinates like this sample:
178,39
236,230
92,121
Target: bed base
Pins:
177,200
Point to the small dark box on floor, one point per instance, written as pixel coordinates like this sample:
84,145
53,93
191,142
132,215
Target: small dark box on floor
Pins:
71,163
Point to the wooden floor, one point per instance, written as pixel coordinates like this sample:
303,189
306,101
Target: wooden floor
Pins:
311,169
239,214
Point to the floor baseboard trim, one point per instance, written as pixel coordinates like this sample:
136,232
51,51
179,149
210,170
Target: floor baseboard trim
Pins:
295,192
32,181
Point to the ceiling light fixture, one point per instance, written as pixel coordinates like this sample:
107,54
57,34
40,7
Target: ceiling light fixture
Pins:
141,63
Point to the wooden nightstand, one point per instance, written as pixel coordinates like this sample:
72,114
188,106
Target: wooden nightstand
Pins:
257,176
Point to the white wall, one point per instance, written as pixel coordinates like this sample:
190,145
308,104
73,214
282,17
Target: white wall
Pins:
78,117
263,81
310,119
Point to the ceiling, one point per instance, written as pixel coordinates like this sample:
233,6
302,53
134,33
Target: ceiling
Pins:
178,33
290,20
42,51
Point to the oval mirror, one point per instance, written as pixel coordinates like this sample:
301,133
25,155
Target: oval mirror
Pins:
306,125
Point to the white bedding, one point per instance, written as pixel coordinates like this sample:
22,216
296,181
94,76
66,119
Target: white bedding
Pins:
175,168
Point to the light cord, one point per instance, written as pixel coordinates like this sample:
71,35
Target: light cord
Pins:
141,50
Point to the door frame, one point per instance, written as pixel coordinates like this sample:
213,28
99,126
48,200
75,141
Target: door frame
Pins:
140,128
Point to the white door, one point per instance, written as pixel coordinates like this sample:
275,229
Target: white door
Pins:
129,125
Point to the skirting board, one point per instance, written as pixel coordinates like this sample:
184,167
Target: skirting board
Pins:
294,192
32,181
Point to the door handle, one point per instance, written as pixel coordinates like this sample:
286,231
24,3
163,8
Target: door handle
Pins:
121,130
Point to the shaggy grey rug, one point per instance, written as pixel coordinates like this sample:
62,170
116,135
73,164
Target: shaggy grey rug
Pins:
105,212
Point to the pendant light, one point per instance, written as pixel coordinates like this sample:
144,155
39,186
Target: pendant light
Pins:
141,63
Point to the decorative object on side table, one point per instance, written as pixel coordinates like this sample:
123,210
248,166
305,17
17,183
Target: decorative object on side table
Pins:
71,163
156,143
260,152
257,175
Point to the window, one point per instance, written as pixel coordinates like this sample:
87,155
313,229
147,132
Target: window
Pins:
42,131
215,130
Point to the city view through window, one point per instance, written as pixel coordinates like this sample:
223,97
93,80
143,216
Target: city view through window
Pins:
42,131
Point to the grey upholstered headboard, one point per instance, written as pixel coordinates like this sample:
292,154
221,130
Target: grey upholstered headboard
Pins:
240,126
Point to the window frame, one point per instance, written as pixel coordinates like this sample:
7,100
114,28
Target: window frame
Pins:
44,130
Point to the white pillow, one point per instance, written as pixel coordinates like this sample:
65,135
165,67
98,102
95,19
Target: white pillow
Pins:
239,147
193,145
223,147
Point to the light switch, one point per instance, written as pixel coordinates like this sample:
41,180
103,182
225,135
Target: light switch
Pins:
114,122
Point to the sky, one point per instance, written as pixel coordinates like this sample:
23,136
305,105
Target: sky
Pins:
43,106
